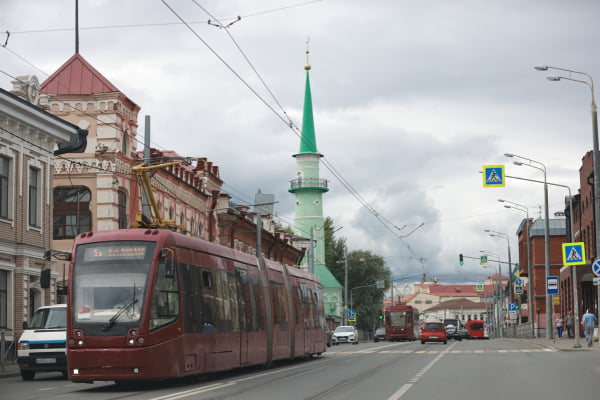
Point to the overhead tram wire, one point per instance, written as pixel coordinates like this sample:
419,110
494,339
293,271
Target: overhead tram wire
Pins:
160,24
387,224
294,127
245,57
241,196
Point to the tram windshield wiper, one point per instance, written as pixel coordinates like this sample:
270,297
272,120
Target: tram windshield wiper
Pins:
111,322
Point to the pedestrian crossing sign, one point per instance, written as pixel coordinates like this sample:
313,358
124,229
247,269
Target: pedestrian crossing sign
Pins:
479,287
493,176
573,253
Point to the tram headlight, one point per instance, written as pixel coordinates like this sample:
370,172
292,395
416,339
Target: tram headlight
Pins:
80,342
75,371
141,340
131,342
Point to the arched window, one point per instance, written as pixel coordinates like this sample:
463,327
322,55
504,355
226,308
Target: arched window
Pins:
125,142
72,213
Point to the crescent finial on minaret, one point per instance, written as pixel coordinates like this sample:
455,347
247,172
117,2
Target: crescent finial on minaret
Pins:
307,66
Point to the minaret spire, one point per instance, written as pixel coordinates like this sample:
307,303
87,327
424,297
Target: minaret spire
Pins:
307,66
308,141
308,187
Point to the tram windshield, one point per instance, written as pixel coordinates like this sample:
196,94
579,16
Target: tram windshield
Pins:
110,281
398,319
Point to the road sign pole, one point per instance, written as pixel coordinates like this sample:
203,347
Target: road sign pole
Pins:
576,307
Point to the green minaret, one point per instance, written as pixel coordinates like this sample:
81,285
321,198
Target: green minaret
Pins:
308,188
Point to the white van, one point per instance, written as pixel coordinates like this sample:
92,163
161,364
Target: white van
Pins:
42,346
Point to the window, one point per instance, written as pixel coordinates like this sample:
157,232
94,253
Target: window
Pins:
165,297
34,197
122,210
3,299
72,213
4,186
125,141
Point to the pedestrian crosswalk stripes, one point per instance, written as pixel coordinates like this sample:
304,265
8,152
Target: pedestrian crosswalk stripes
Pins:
496,351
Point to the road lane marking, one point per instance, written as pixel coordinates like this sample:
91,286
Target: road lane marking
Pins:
191,392
415,379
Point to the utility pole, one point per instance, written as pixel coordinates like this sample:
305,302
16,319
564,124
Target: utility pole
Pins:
345,285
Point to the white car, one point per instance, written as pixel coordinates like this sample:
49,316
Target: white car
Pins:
345,334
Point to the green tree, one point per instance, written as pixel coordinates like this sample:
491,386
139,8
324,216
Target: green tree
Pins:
334,250
364,270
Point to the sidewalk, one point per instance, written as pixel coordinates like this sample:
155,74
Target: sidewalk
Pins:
563,344
10,369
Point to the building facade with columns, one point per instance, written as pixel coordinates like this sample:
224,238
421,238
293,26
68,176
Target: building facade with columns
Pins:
30,139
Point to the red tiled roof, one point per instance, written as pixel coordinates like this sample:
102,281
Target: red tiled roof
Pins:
451,290
77,76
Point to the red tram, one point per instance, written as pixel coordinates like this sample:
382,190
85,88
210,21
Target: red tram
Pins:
401,323
150,304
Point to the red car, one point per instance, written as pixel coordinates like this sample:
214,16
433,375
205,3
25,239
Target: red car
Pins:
434,332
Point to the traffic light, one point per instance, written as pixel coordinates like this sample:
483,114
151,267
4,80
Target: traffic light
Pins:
460,259
380,315
45,278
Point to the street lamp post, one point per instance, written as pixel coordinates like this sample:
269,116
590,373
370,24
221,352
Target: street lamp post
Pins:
524,209
596,167
595,154
540,166
575,284
499,298
505,236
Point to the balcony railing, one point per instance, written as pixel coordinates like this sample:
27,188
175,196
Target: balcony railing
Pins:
308,183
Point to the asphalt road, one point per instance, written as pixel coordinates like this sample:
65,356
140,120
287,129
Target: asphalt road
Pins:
467,370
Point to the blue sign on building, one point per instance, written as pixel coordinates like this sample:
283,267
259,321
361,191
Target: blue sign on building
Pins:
552,285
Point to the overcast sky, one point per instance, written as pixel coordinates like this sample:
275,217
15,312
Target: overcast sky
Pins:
410,99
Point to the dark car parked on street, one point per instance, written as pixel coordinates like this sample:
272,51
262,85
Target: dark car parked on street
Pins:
379,335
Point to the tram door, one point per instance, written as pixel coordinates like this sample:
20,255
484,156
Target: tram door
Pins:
247,310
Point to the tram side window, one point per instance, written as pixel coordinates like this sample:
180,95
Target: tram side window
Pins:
280,312
260,303
247,306
191,296
165,297
230,288
318,306
297,293
221,304
306,306
208,302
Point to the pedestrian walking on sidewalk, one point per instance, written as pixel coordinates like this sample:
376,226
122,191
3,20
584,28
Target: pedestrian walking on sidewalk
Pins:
589,321
558,323
570,325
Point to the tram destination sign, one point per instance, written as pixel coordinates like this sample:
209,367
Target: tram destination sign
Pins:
116,251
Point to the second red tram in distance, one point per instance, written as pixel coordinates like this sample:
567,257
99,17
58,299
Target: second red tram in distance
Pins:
401,323
152,303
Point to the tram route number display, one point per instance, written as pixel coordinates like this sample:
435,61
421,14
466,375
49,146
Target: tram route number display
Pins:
104,253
